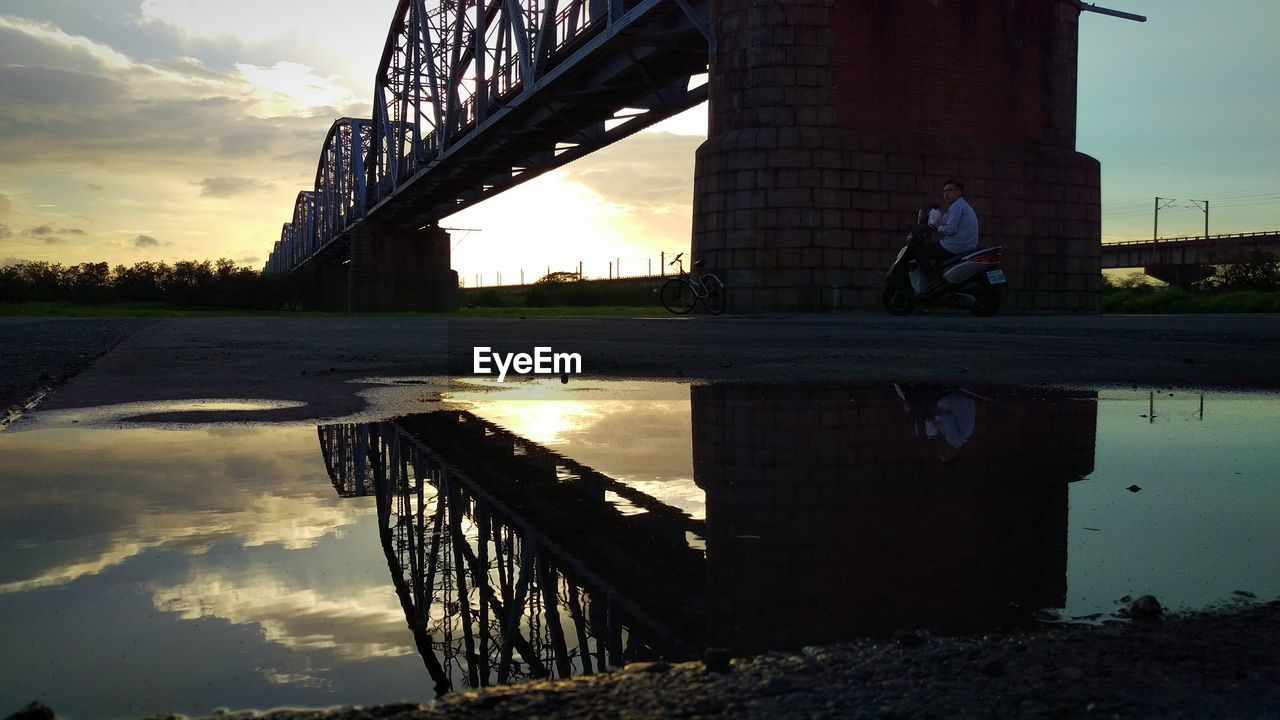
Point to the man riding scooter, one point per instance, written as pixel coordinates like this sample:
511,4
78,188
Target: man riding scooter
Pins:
957,229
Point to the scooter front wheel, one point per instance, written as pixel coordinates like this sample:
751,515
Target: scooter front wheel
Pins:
896,302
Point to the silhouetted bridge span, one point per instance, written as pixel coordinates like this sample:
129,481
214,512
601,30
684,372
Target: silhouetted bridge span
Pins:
472,98
1182,258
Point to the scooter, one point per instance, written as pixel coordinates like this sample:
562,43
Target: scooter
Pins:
972,280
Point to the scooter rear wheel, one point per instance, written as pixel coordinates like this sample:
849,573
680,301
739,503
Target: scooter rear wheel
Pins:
896,302
988,302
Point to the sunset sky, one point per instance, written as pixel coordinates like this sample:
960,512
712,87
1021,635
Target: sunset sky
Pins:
181,129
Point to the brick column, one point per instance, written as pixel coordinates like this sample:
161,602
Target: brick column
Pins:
832,122
324,286
397,269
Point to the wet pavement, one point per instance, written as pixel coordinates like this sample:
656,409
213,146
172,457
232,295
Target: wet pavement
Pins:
458,534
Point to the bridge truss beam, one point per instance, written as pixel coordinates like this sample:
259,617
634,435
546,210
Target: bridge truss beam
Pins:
473,97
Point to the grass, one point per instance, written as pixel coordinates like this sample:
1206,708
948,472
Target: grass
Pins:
161,310
118,310
1172,300
565,311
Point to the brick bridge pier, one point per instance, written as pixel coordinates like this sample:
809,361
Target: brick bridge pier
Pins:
389,269
831,122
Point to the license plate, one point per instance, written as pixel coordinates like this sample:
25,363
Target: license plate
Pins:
995,277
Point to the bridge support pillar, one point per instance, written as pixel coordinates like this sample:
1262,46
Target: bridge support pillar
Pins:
324,287
399,269
832,122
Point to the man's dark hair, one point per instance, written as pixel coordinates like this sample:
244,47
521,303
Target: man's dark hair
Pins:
959,185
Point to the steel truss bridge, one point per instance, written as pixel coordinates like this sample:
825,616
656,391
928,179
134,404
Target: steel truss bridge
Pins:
520,567
473,97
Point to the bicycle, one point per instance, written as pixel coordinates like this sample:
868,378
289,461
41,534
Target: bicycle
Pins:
680,294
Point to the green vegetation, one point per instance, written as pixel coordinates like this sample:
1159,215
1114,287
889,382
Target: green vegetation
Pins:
145,285
1247,282
1244,282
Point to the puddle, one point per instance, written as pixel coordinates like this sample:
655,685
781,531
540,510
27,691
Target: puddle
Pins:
190,410
539,530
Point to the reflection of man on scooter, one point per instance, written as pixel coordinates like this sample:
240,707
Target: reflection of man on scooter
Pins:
957,226
949,415
953,420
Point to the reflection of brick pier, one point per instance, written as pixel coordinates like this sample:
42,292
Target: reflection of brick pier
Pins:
828,516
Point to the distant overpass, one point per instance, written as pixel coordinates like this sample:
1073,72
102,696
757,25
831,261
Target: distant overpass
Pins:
1185,259
1199,250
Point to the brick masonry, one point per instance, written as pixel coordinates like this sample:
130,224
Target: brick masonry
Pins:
832,122
828,513
399,270
321,286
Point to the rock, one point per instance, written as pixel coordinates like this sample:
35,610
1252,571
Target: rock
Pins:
908,639
716,659
647,667
1145,608
34,711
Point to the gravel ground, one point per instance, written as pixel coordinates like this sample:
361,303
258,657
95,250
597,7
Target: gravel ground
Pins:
1187,667
42,354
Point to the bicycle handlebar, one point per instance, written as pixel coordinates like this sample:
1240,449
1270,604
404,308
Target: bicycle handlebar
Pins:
676,260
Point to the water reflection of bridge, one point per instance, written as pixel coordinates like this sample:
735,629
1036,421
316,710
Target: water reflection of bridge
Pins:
828,517
521,565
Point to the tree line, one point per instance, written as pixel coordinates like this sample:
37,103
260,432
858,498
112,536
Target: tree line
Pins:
186,283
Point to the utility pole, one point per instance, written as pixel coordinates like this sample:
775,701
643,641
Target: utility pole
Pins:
1203,205
1155,230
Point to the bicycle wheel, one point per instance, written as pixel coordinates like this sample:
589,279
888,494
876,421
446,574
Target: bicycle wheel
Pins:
715,293
678,296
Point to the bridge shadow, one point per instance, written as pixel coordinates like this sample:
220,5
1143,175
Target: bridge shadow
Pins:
833,512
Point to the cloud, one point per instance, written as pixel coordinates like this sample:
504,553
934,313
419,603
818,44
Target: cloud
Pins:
353,623
5,232
145,241
71,100
94,187
225,187
6,205
48,235
134,506
653,170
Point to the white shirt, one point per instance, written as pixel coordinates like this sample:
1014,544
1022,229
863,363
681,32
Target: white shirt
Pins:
959,228
954,419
